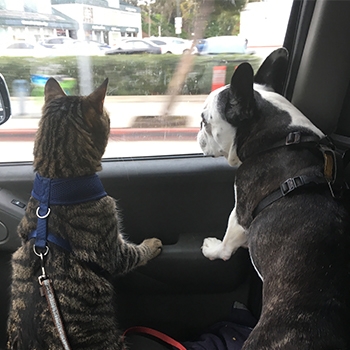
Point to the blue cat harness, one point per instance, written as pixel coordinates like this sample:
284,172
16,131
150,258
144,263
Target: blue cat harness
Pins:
66,191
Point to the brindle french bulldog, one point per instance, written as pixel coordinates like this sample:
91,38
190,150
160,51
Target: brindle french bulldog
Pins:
298,235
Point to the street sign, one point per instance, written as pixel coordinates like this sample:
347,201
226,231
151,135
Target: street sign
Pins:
178,22
178,25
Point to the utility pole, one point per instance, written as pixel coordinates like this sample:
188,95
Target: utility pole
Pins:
149,19
147,3
178,19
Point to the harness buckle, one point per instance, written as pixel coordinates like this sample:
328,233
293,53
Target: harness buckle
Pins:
291,184
293,138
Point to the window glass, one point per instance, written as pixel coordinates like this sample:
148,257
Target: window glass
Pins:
55,41
140,45
127,45
159,42
74,42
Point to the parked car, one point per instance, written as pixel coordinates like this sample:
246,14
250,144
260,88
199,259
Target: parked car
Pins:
223,45
134,46
200,45
173,45
80,47
183,197
20,46
101,46
23,48
53,41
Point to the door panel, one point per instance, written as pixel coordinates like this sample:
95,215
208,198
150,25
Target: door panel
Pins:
180,200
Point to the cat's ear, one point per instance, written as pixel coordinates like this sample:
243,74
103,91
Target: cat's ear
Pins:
97,97
53,90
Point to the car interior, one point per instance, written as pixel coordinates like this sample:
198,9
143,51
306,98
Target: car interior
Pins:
182,199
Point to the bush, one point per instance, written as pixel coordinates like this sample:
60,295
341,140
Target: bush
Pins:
128,75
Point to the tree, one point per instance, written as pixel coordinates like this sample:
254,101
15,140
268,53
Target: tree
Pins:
189,10
131,2
163,13
224,19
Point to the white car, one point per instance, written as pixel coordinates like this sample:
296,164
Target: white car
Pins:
23,48
57,40
228,44
173,45
76,47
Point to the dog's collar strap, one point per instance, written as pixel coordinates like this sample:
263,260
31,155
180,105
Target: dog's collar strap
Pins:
68,191
295,139
287,187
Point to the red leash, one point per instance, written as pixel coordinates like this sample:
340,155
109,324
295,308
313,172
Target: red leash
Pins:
159,335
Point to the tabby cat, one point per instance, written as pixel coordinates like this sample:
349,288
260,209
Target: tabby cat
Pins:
70,142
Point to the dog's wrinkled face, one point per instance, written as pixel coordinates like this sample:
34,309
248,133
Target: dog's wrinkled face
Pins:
232,105
217,137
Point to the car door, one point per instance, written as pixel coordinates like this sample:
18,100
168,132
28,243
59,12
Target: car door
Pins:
182,197
140,47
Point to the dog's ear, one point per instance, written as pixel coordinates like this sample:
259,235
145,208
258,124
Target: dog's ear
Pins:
241,94
272,73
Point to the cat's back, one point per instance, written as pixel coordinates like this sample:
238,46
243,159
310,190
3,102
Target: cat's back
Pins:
81,237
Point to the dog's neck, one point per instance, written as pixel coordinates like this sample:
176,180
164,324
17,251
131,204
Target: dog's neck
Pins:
256,147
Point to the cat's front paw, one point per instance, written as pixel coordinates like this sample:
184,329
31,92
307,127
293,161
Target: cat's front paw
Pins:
213,248
154,245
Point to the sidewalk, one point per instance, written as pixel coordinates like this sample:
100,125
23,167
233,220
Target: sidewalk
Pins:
32,105
135,111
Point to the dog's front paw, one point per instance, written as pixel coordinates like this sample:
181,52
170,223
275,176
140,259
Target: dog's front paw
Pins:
154,246
213,249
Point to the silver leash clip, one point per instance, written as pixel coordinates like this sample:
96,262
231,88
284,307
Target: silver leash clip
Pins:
42,255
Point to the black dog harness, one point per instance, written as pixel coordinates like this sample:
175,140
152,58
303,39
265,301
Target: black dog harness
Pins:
333,174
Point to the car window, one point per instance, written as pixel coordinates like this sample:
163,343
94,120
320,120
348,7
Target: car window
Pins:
146,119
127,45
20,46
159,42
55,41
140,45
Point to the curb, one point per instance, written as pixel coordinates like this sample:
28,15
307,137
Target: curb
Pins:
120,134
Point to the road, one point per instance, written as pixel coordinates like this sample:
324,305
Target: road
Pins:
136,127
125,111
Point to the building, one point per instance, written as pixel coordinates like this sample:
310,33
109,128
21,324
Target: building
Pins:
100,20
264,24
32,20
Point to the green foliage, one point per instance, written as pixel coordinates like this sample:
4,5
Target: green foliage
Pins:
166,28
224,23
157,20
163,13
224,20
128,75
